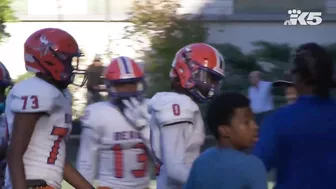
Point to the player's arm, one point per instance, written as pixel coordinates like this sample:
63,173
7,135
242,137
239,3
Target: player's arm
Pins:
74,178
256,174
23,127
27,109
145,132
88,149
145,135
267,146
80,178
87,155
173,150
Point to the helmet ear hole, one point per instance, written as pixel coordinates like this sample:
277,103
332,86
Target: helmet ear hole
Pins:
183,73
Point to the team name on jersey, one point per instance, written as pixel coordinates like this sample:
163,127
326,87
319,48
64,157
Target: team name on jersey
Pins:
127,135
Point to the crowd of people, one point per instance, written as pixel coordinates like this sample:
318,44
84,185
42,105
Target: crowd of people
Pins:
121,135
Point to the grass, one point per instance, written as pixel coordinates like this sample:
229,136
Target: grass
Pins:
65,185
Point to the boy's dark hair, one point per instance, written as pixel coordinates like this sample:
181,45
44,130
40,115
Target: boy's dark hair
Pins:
221,109
315,66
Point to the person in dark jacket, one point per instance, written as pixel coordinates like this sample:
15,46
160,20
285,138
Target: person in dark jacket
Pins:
94,82
299,139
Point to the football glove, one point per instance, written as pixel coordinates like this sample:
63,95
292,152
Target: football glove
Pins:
136,113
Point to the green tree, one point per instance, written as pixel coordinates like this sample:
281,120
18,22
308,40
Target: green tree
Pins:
278,55
6,14
23,77
167,32
237,67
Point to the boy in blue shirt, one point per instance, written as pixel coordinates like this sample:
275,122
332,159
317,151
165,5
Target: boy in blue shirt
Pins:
231,121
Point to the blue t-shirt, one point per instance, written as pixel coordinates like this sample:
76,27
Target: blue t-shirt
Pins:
219,168
299,141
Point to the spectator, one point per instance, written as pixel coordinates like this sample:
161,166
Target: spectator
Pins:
290,90
95,84
231,121
299,140
260,93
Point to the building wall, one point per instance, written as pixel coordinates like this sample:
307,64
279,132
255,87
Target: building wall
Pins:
242,34
94,37
238,22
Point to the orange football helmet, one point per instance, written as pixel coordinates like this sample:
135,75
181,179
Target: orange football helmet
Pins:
199,67
123,70
50,51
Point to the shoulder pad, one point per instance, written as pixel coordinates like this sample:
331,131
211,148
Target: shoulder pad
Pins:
146,100
93,114
169,107
33,95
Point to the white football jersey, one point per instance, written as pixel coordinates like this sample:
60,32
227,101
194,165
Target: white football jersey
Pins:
112,150
177,133
46,153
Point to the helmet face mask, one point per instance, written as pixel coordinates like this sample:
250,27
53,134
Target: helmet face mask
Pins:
206,82
126,89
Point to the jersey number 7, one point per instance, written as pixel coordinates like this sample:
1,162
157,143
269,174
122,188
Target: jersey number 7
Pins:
60,132
119,161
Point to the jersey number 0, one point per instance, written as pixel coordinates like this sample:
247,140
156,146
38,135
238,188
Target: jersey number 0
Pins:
119,161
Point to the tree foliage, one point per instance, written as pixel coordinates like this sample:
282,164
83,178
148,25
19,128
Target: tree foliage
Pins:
167,32
6,14
23,77
237,67
269,58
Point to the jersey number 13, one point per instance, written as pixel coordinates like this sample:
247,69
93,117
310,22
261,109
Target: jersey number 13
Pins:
119,161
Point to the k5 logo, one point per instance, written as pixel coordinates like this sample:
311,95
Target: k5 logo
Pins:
303,18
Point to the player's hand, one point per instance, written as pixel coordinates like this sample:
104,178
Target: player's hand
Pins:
136,113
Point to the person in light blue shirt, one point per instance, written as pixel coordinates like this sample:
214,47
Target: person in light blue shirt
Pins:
227,166
260,93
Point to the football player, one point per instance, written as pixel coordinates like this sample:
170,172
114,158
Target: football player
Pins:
38,113
5,82
177,130
115,133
